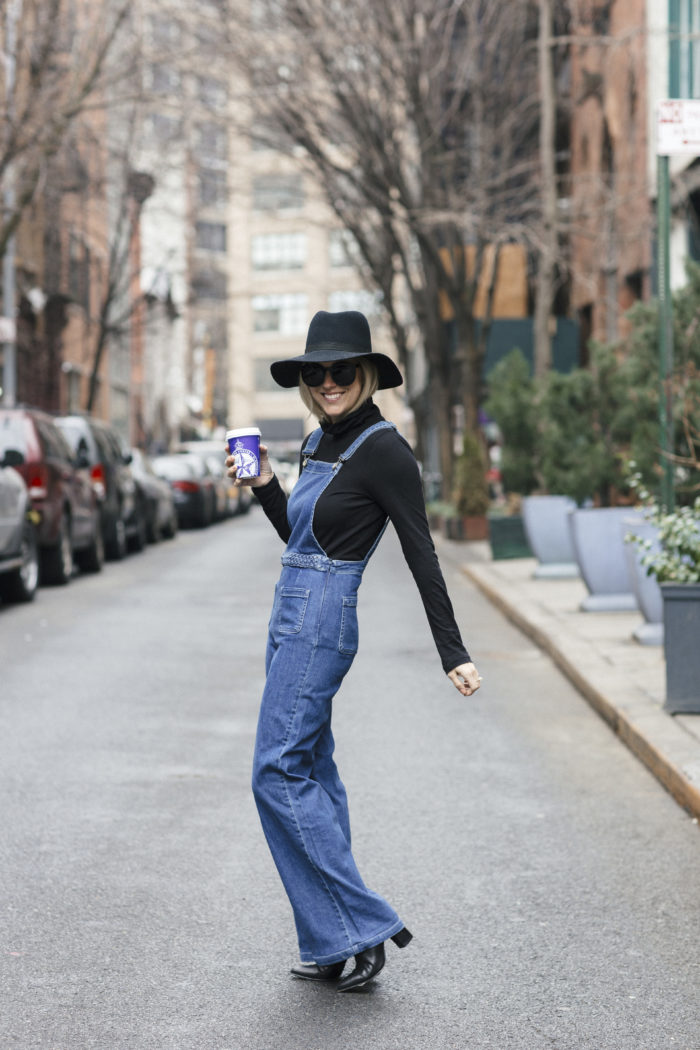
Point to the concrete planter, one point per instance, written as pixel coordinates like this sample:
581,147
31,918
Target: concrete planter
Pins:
646,588
681,637
546,523
598,542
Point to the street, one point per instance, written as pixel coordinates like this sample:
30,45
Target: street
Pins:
550,882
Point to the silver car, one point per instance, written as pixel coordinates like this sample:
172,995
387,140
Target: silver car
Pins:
19,553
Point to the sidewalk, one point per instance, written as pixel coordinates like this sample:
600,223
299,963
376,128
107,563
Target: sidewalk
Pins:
621,679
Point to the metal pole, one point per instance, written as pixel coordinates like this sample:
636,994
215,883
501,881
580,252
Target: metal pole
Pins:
9,356
663,203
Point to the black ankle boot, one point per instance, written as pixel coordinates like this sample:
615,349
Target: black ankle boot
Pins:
367,965
369,962
312,972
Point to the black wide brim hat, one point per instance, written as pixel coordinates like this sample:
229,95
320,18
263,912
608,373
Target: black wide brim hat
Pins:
337,337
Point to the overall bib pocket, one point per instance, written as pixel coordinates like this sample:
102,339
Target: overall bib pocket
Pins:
349,632
292,607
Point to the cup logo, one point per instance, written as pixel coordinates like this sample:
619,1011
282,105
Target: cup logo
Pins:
246,462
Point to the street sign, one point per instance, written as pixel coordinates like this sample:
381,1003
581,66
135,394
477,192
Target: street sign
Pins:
8,333
678,127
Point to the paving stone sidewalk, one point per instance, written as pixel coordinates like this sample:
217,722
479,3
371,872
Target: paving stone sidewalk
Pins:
622,680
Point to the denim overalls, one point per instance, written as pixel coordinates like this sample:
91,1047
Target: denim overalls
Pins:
301,800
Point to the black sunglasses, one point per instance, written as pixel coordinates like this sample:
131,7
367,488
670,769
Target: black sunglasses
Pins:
342,373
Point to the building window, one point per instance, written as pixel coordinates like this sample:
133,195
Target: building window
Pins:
278,192
279,251
211,92
164,79
684,48
210,236
282,314
209,284
212,141
368,303
262,378
342,248
164,128
211,187
165,31
79,272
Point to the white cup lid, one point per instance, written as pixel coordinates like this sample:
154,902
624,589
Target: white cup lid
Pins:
243,432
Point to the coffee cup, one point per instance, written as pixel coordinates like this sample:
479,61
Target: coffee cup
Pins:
244,445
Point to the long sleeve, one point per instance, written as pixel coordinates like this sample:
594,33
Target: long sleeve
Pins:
273,500
396,487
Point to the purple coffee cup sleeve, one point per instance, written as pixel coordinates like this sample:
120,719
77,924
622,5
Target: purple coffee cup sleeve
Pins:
244,446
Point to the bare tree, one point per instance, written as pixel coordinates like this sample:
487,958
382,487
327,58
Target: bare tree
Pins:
55,68
419,121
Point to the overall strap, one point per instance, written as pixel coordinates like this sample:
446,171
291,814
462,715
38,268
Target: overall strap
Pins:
312,444
384,424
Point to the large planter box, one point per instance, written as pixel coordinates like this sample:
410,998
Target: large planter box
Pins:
507,537
546,523
645,587
597,536
681,647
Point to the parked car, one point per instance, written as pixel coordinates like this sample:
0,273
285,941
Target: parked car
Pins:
161,515
237,499
68,518
98,447
19,550
192,486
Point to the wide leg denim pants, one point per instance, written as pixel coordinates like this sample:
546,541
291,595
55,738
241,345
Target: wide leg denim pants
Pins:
301,800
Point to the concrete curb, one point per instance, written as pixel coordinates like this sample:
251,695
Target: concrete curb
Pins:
670,752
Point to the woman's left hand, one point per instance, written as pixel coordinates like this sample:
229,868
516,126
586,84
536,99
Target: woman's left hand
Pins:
465,678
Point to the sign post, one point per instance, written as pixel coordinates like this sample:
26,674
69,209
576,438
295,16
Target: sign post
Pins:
677,134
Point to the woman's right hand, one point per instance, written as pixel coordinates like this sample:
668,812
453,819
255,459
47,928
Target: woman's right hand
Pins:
266,472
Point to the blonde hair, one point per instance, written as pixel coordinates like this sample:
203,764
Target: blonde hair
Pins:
370,382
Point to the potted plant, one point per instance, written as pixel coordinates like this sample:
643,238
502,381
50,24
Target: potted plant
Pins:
511,406
675,563
590,419
471,493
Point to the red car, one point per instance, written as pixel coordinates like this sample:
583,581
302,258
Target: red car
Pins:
61,493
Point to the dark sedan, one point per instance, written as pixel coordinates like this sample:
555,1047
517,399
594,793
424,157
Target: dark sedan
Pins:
99,448
192,485
157,497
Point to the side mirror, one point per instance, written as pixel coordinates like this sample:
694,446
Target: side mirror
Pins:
12,458
127,457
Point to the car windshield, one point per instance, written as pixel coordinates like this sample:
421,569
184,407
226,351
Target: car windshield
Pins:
71,431
172,467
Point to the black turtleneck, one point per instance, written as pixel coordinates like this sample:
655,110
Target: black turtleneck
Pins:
380,480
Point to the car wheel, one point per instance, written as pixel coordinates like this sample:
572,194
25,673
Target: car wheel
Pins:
138,539
58,560
21,584
92,558
170,530
116,548
154,529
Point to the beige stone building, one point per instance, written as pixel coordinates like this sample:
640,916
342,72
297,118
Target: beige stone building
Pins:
287,260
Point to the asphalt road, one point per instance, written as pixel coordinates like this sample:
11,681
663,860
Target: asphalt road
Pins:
551,885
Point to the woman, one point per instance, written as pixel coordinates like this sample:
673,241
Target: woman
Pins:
356,474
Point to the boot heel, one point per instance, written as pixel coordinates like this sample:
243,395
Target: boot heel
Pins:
402,938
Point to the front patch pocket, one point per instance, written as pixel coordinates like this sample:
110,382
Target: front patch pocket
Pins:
349,634
292,607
